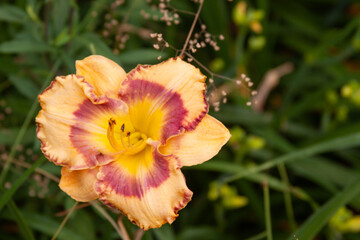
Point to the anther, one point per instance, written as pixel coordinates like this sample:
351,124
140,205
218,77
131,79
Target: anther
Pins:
128,137
112,122
123,127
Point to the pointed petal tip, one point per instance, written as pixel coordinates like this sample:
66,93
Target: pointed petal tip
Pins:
199,145
102,73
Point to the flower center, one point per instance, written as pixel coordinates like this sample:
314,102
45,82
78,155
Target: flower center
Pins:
128,143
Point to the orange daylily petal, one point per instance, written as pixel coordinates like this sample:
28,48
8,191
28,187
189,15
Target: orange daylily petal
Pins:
68,124
149,188
199,145
79,184
105,75
166,98
54,122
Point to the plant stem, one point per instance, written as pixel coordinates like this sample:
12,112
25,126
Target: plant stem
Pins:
191,29
123,229
267,211
64,222
96,205
287,197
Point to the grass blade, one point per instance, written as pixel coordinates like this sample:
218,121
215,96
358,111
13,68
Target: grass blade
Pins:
347,141
25,125
9,193
20,220
64,221
317,221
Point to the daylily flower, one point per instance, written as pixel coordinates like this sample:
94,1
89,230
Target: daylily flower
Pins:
122,138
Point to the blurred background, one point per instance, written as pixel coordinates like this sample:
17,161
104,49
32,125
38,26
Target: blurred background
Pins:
283,76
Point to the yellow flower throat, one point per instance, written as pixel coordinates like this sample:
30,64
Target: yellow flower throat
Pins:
129,143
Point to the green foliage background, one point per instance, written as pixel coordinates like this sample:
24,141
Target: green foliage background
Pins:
297,162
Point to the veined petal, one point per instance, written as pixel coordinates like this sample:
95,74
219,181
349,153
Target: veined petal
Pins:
68,125
147,187
79,184
89,134
171,95
105,75
199,145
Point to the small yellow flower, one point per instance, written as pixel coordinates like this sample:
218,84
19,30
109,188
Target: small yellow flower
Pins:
122,138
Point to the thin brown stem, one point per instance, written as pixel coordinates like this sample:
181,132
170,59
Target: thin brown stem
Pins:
191,29
198,63
96,205
64,221
38,170
79,206
138,234
270,81
122,228
180,11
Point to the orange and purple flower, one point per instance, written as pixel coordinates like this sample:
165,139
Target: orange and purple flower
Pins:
122,138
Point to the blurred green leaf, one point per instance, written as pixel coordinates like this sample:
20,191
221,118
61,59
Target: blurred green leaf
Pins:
60,12
200,233
164,233
318,220
20,220
10,13
342,142
24,45
8,136
228,167
25,86
140,56
49,226
241,115
95,45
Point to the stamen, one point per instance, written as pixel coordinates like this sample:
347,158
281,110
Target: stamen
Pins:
116,153
122,137
110,134
136,141
139,145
